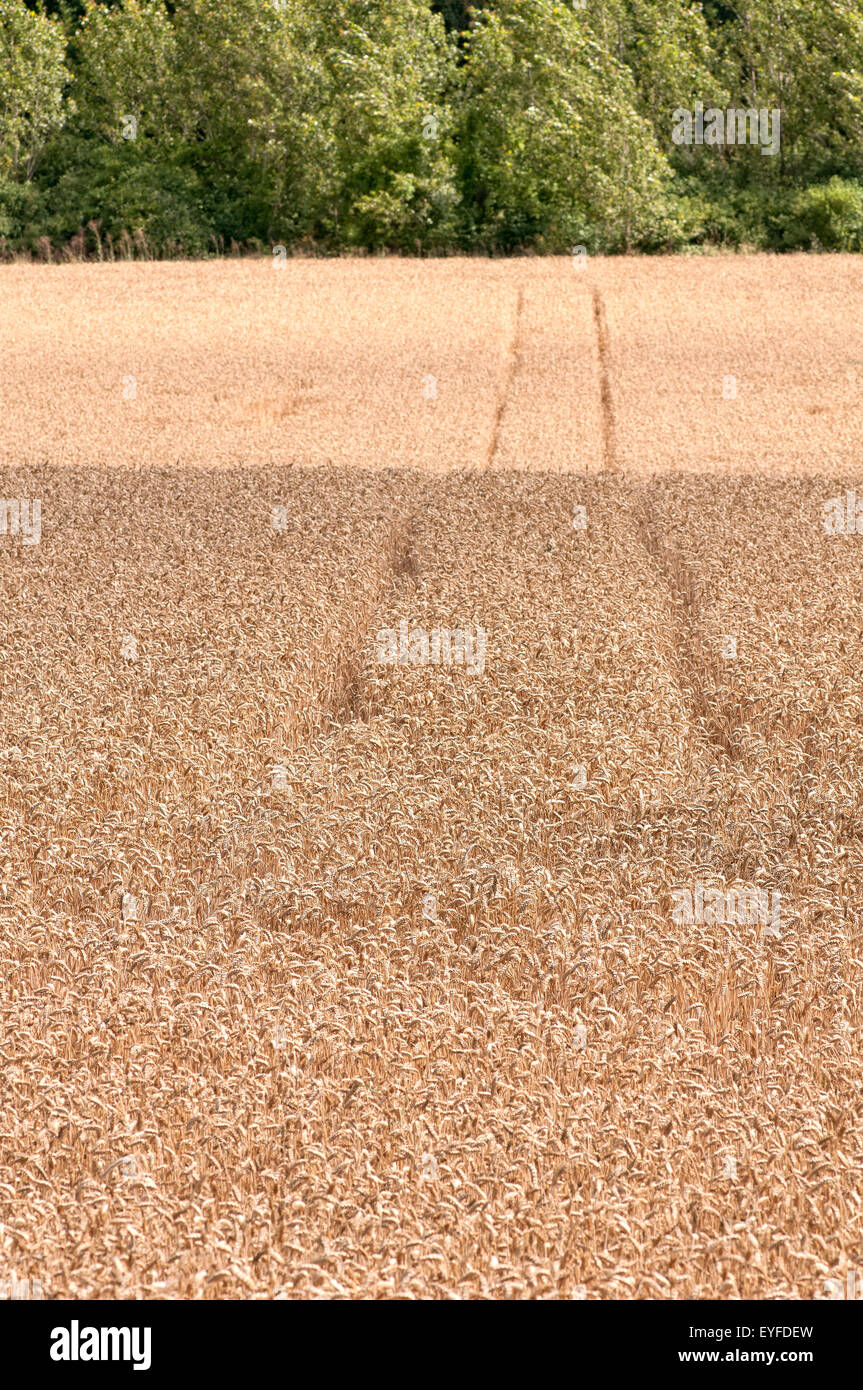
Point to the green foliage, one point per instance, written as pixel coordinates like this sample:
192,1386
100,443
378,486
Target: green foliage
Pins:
123,190
666,46
32,49
827,216
426,125
806,58
389,66
126,59
20,208
246,94
552,149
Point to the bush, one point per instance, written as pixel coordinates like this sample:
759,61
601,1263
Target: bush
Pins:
124,190
20,209
827,216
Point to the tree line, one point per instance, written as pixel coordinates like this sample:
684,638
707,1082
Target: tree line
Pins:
194,127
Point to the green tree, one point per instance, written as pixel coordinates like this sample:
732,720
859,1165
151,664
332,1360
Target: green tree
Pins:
667,47
127,73
32,53
247,94
552,147
427,124
806,60
382,123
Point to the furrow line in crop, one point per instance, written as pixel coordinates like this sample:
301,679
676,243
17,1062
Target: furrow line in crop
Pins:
603,344
694,662
402,568
511,365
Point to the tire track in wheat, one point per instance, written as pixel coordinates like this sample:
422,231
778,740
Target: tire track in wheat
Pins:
511,365
603,345
692,658
402,567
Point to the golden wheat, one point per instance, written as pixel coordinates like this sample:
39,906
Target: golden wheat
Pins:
330,976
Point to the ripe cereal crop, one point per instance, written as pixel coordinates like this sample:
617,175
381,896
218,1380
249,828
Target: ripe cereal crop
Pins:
430,779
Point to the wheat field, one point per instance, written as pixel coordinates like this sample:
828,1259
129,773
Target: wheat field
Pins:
418,665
